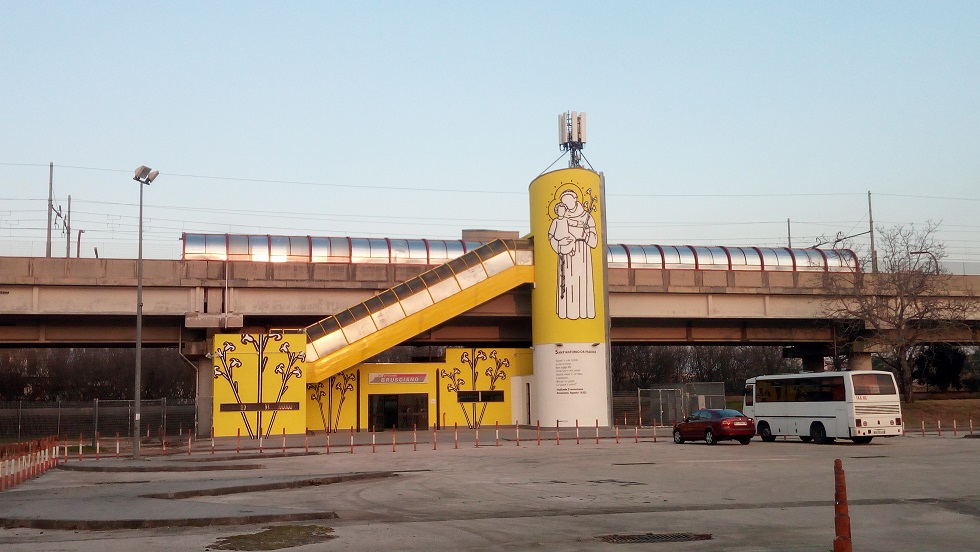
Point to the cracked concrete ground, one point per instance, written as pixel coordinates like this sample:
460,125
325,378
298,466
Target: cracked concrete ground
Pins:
907,493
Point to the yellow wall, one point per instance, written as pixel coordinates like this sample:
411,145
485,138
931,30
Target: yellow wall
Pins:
244,364
566,306
342,401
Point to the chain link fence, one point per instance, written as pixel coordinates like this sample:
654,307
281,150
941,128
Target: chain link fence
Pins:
664,405
28,420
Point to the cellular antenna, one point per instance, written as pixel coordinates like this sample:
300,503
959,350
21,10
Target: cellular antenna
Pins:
571,136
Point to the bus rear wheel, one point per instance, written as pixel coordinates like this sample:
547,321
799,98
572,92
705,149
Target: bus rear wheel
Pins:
766,433
861,440
819,434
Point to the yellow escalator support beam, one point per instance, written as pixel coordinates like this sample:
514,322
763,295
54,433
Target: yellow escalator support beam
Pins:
426,319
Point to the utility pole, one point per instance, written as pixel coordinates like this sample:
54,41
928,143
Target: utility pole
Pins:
68,231
871,222
47,249
789,235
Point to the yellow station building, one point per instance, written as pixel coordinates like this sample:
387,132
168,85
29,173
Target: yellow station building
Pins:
319,378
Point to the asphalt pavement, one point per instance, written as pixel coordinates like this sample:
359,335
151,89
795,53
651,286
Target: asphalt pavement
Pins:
907,493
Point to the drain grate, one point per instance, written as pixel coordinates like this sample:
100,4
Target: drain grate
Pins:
654,537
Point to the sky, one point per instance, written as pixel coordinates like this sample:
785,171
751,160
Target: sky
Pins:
714,123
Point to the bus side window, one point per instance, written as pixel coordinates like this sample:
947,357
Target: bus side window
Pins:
748,398
838,391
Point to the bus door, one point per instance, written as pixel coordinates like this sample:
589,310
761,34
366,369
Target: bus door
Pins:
748,400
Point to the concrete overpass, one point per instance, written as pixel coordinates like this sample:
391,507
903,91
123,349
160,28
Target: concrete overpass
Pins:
47,302
51,302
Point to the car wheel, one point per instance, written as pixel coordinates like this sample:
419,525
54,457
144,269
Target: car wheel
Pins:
818,433
806,438
861,440
745,440
709,437
677,437
766,433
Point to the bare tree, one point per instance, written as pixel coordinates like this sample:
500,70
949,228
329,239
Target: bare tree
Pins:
640,366
907,305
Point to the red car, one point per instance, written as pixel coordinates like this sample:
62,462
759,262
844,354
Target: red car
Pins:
715,424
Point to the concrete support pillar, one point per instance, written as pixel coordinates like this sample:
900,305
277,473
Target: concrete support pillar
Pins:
860,361
205,395
813,364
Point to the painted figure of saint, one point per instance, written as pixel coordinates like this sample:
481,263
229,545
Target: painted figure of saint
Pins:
573,237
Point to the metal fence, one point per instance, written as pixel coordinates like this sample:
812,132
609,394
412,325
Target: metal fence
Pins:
27,420
663,405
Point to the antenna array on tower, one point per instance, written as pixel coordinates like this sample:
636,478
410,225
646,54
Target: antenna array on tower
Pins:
571,135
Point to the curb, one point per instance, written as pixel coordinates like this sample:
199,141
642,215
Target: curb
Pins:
238,489
142,469
112,524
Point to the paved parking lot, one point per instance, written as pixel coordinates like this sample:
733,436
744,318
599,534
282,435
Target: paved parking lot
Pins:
909,493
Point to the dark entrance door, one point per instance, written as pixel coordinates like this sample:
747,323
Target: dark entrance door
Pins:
403,411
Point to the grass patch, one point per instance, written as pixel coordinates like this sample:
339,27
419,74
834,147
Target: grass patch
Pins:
931,410
275,538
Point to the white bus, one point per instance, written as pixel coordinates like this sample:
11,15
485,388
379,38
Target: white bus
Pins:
824,406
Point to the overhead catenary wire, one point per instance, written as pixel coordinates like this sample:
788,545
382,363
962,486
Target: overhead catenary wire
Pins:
220,219
496,192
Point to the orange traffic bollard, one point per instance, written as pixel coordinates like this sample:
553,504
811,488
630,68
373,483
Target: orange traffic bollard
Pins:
842,521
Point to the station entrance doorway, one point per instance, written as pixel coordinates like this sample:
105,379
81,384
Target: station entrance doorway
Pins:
402,411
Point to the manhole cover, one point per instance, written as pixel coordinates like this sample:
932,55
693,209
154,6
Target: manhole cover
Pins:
654,537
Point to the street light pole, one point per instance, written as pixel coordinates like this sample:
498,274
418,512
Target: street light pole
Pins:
144,175
935,261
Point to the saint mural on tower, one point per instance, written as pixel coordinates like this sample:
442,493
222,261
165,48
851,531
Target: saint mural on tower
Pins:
573,236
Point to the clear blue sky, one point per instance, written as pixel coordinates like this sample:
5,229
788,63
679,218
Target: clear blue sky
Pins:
713,122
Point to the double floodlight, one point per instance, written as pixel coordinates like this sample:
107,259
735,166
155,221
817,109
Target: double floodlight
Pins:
145,175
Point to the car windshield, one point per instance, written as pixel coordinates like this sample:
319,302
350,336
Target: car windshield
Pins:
730,413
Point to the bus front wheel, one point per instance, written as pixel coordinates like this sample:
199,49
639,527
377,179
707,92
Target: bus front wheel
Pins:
766,433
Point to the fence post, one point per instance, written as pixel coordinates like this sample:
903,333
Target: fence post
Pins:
639,401
20,405
58,427
163,413
95,422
